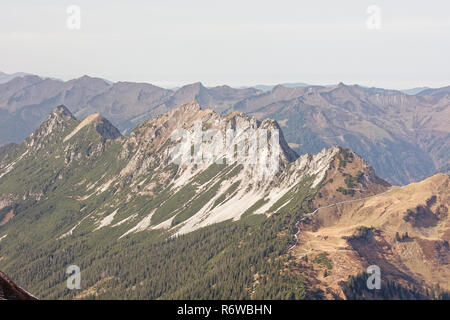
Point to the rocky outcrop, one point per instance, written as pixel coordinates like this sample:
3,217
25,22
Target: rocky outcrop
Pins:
11,291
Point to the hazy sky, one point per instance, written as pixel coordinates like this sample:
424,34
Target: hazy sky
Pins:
235,42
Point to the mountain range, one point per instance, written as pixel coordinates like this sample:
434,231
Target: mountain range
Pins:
4,77
405,137
143,226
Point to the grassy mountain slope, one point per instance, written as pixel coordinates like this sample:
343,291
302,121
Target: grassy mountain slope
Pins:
405,231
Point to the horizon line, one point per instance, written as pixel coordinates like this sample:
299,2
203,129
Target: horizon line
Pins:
177,85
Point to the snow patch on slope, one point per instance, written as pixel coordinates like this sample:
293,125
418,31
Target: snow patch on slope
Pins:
107,220
125,220
141,226
9,167
70,232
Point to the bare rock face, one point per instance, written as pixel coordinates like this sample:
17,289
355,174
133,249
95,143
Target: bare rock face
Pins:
7,200
235,187
57,121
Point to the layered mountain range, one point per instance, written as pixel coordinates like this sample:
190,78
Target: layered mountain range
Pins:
141,225
4,77
405,137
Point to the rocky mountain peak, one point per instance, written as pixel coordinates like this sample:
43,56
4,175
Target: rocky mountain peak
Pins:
56,123
61,124
157,132
61,112
239,122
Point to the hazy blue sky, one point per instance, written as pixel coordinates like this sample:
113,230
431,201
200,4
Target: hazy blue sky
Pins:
232,42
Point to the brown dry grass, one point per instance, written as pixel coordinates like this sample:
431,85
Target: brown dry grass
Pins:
7,217
424,257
